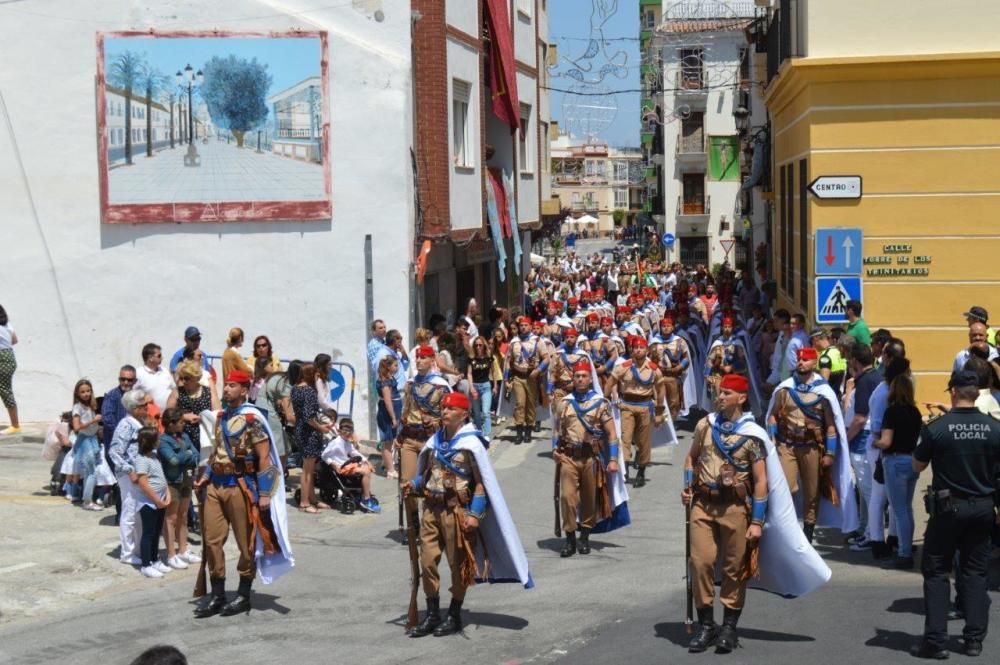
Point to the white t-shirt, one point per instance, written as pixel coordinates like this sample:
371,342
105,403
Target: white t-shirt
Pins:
6,335
339,451
86,416
157,384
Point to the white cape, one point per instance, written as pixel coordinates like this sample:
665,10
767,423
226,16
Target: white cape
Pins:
508,562
690,385
789,566
845,515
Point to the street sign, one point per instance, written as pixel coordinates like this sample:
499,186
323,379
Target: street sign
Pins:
727,245
832,294
838,251
337,384
836,187
668,239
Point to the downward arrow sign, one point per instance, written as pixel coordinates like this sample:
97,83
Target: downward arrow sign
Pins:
847,245
829,258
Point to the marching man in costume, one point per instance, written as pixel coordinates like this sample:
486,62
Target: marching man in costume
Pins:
560,366
742,520
585,446
464,517
521,371
242,476
726,356
674,358
806,424
639,385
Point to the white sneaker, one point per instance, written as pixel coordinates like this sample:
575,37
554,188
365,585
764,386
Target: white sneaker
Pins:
151,571
177,562
191,557
132,561
160,566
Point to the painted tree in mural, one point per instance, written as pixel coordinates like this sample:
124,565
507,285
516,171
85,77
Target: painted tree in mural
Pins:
125,73
235,90
152,81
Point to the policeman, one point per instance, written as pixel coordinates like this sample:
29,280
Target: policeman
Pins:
832,365
963,449
521,378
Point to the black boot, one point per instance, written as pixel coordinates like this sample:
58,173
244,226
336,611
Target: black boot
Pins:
217,602
431,620
808,529
240,604
584,546
453,622
538,425
728,640
570,548
527,433
880,550
707,631
640,477
518,440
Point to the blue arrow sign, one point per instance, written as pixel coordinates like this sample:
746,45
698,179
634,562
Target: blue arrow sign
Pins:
668,239
832,294
838,251
337,384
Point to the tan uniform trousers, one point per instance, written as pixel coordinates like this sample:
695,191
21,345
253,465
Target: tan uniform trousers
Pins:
672,386
802,462
408,453
226,507
438,533
525,393
718,532
637,431
578,492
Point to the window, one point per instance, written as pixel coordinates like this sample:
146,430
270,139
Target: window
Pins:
577,203
591,201
649,19
621,171
545,157
594,168
525,155
462,143
525,7
621,198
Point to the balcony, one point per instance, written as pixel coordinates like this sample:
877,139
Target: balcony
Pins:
690,85
646,138
650,172
691,150
693,210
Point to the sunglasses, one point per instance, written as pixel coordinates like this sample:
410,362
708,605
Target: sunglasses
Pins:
123,379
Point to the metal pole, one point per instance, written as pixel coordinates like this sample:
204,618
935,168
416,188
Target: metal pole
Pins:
369,318
190,114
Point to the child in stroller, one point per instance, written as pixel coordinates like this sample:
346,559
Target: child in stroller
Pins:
346,472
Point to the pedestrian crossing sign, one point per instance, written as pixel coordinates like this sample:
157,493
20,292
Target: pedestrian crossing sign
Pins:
832,294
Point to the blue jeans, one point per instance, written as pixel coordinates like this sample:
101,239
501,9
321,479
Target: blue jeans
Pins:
85,452
481,407
900,482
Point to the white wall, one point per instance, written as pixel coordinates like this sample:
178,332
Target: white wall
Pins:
85,297
464,15
524,33
465,190
527,193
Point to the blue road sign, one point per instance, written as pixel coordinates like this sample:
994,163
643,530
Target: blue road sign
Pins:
668,239
832,294
838,251
337,385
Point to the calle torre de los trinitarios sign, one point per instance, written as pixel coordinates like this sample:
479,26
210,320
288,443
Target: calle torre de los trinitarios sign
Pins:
897,260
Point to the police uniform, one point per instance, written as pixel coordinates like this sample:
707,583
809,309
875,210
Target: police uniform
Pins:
831,360
637,388
524,357
963,449
421,420
581,424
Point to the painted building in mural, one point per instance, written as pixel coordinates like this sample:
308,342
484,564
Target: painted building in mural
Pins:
297,128
85,296
912,112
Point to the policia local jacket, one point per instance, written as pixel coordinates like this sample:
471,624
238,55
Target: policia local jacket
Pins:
963,447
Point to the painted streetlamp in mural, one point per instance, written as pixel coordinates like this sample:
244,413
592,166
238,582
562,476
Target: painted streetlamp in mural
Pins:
253,109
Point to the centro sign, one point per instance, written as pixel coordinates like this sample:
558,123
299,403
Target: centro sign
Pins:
836,187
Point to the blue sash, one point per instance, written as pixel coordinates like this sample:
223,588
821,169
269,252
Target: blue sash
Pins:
443,452
423,402
808,409
727,451
581,412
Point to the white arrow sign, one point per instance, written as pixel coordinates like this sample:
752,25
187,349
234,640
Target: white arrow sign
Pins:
847,245
836,187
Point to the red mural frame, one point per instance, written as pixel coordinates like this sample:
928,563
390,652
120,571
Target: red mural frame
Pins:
202,211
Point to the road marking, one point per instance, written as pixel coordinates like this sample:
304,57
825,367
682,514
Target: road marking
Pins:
16,567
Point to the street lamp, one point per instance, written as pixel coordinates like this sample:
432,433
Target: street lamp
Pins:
742,117
189,78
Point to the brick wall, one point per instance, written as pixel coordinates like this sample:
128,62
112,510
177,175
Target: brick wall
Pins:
430,62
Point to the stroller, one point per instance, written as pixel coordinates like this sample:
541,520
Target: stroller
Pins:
335,488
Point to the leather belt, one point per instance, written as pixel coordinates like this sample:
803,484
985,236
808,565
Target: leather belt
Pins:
717,494
416,431
521,374
447,498
576,450
636,398
230,468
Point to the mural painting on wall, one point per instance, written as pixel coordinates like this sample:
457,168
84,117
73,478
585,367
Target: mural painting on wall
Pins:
213,127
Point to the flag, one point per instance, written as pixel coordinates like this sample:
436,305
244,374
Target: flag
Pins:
502,73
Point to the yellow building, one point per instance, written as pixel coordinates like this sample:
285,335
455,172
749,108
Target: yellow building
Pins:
905,94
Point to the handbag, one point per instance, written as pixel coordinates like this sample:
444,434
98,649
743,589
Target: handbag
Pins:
879,474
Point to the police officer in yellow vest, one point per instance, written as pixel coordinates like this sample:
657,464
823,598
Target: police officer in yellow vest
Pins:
832,365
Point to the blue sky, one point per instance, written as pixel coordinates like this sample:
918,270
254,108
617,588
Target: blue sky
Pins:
571,23
288,60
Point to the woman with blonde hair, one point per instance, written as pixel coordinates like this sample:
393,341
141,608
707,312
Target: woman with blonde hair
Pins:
231,358
191,397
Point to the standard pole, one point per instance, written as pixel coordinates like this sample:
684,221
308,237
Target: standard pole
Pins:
369,318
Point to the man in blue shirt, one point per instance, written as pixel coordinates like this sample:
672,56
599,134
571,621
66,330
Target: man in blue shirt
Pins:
376,345
866,380
192,340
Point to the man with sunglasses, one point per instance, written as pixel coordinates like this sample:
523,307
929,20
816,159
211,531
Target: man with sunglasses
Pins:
112,413
192,340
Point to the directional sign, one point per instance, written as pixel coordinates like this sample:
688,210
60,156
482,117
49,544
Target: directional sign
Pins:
727,245
836,187
838,251
337,384
832,294
668,239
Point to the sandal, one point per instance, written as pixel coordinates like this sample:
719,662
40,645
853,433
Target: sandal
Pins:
323,505
308,509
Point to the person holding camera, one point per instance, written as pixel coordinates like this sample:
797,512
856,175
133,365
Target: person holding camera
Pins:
963,449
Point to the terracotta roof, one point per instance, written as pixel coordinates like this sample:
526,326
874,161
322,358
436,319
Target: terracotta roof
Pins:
687,26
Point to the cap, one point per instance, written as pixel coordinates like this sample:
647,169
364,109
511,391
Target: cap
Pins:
807,353
736,382
962,379
455,399
238,376
571,332
581,366
425,351
191,332
593,317
818,332
975,312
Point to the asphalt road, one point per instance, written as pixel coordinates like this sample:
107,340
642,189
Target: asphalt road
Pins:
345,602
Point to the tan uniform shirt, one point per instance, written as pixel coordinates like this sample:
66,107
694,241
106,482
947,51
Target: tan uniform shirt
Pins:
242,444
523,356
568,425
709,467
429,393
561,373
634,390
440,477
794,427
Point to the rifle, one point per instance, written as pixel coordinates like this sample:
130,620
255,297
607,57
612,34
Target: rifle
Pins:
399,489
200,585
555,501
689,620
411,538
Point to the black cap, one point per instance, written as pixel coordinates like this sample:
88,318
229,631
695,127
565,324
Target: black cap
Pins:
192,332
962,379
977,312
818,332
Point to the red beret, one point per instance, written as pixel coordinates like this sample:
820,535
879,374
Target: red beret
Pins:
425,351
555,303
238,376
807,353
736,382
667,318
728,322
581,366
526,320
599,291
622,309
571,332
573,301
637,340
593,316
607,321
456,399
